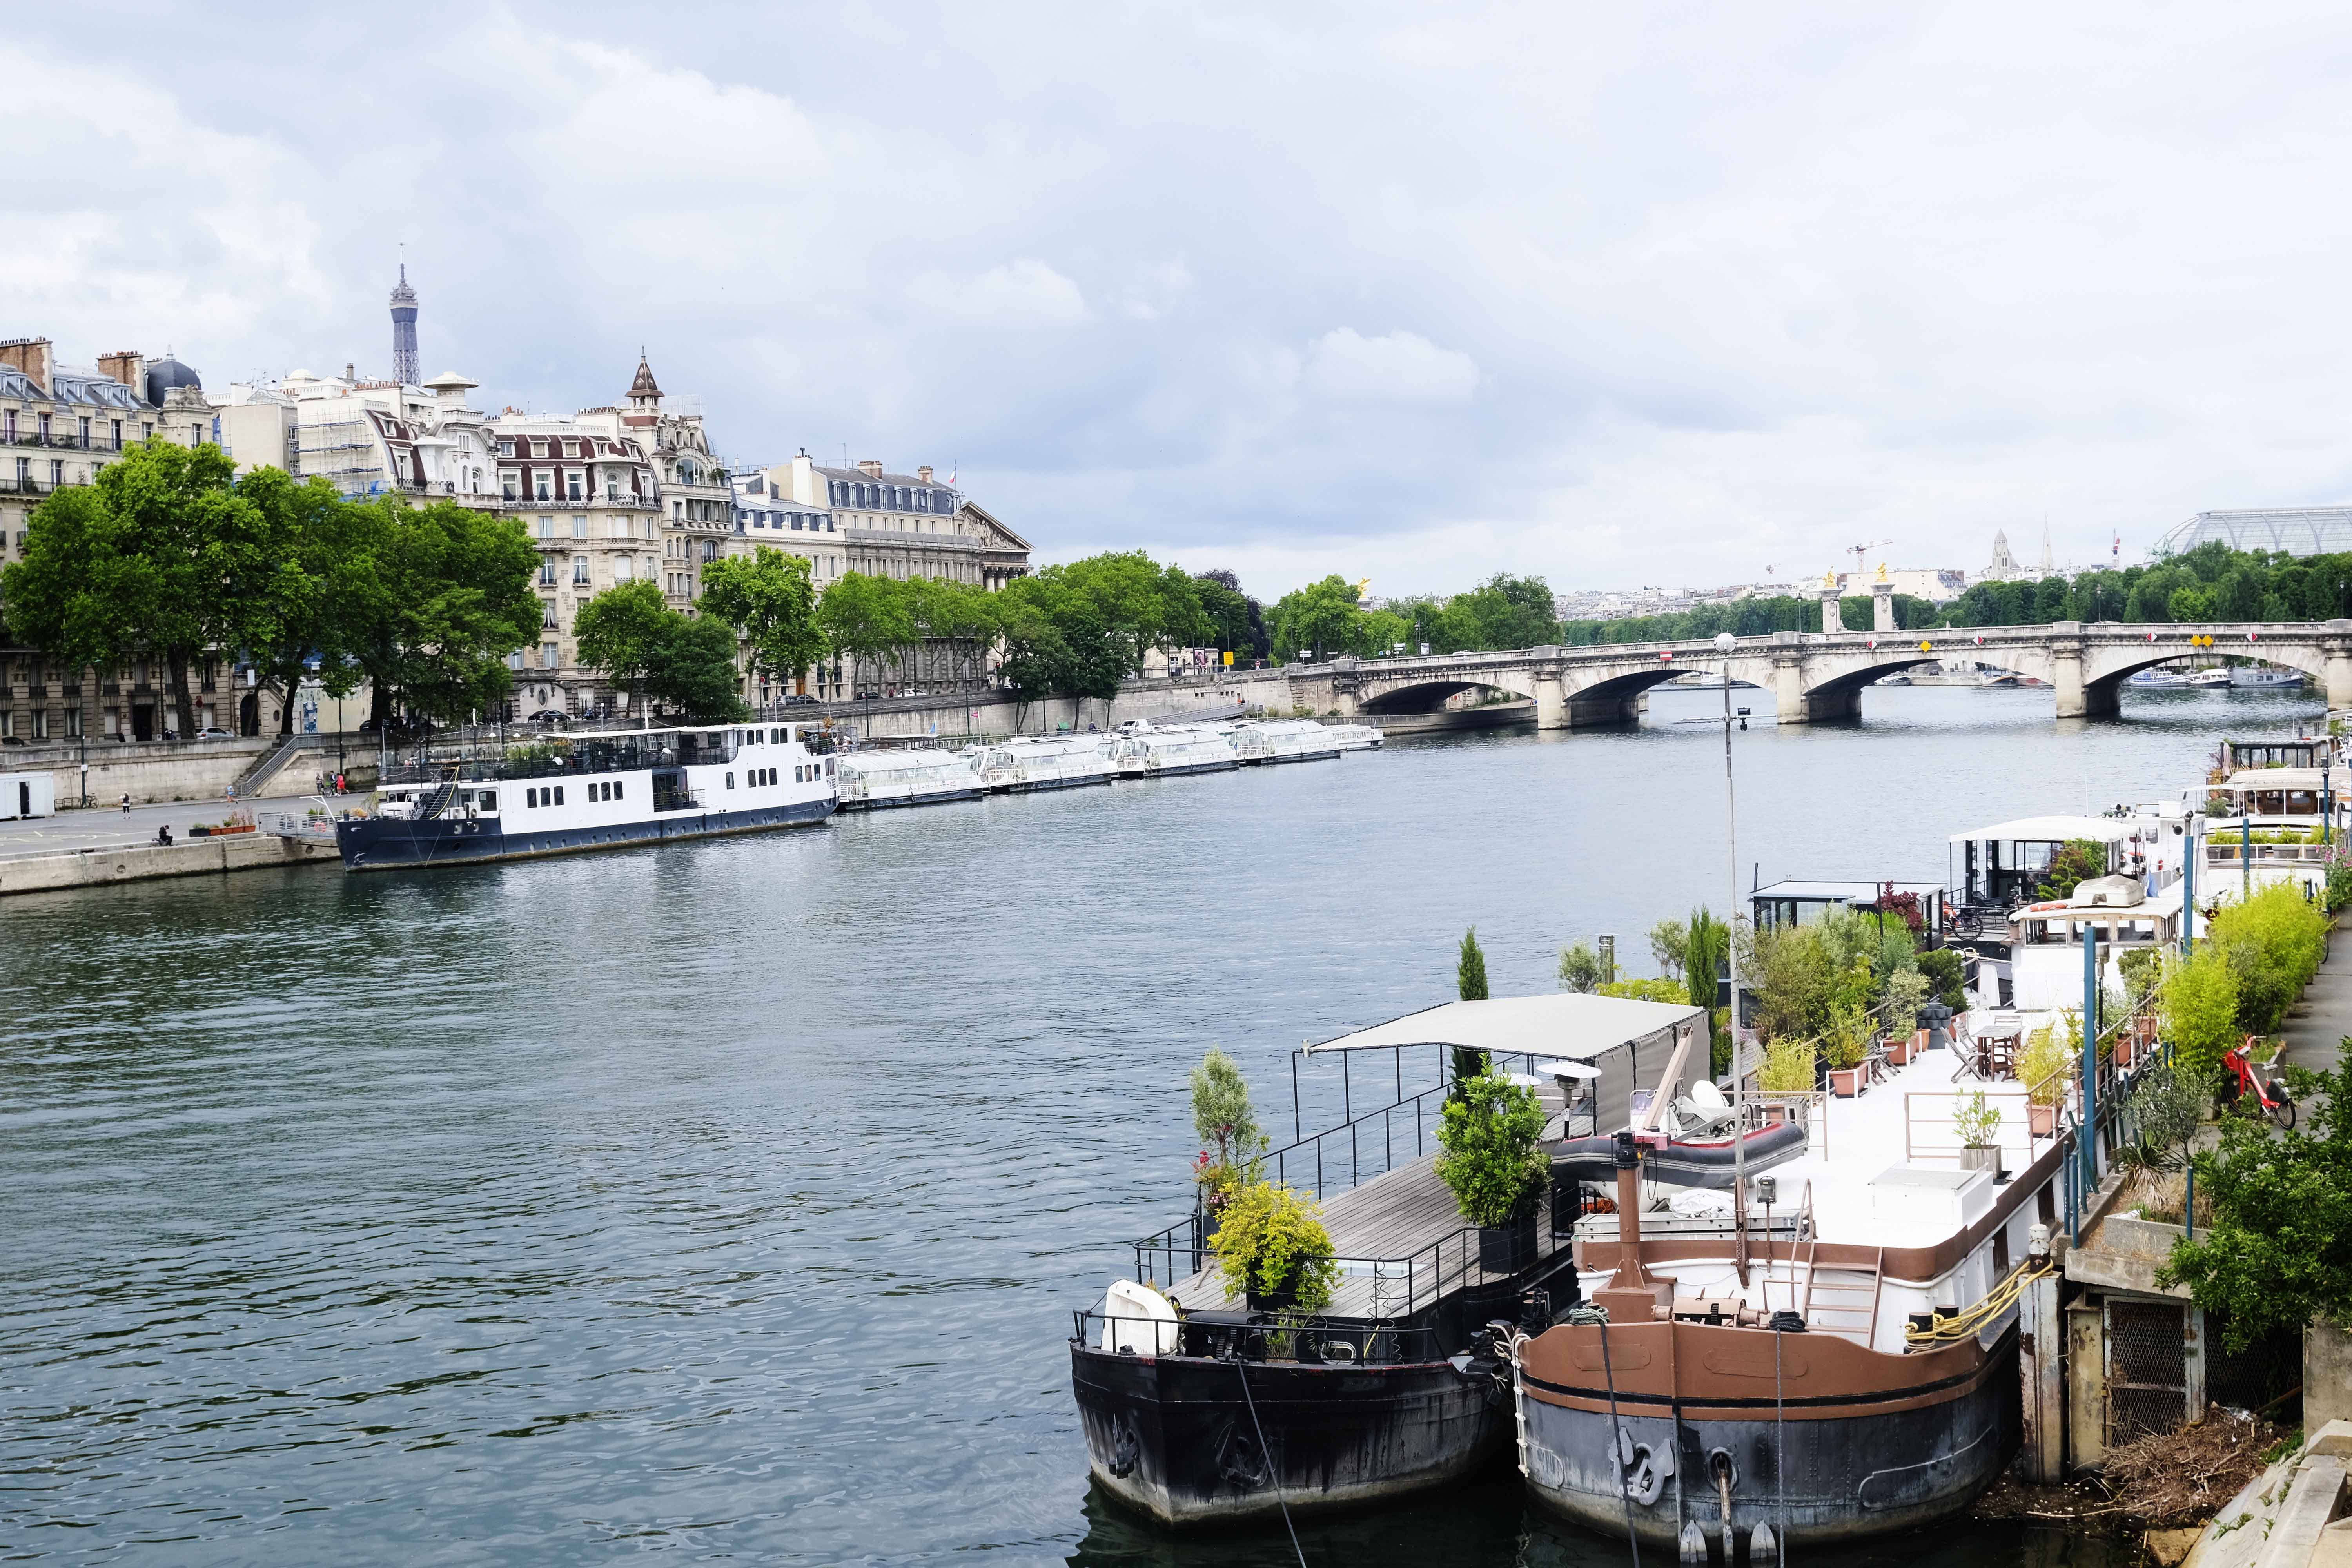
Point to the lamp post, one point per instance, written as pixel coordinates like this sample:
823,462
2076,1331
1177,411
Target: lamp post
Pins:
1726,643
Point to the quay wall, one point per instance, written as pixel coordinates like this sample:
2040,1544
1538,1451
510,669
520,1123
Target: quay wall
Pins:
993,713
189,857
164,771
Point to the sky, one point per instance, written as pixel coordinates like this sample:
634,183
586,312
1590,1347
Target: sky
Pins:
1666,295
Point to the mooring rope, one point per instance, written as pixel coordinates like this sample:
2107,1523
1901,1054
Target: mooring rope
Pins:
1272,1474
1616,1446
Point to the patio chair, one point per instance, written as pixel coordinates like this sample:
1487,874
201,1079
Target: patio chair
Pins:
1704,1112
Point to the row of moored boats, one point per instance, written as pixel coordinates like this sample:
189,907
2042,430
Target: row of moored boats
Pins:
929,776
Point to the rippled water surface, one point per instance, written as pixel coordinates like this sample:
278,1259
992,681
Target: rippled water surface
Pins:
730,1199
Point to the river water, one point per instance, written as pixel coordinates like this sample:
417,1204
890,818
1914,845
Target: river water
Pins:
729,1200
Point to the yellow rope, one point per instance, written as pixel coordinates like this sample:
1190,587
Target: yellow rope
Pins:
1963,1325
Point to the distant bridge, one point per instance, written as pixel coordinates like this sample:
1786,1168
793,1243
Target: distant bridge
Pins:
1820,675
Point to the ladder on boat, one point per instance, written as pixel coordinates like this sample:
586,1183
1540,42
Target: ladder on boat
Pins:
1842,1299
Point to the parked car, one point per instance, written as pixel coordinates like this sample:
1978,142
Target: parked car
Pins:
215,733
12,740
796,701
548,716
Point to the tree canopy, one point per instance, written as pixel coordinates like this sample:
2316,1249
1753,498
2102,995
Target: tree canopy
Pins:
685,662
770,601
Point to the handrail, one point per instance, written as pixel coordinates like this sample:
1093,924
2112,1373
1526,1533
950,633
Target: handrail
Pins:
1426,1274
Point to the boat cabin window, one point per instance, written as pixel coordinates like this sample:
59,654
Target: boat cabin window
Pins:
558,795
489,800
731,780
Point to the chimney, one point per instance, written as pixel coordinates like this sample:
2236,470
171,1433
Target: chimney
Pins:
32,356
924,473
351,370
127,367
870,466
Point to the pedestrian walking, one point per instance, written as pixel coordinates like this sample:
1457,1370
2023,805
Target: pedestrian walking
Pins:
126,803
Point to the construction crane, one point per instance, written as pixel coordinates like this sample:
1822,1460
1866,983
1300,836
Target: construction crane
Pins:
1861,553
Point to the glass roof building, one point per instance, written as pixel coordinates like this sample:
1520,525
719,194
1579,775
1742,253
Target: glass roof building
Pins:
2296,531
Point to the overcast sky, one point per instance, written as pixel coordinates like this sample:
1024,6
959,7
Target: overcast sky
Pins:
1624,296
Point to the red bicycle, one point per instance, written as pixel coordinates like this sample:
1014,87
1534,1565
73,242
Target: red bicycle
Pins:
2246,1079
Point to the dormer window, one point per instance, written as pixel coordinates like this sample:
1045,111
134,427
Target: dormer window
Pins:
505,447
539,448
571,448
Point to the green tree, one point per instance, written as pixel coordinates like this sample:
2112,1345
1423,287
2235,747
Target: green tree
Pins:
1319,620
1223,1117
1490,1157
2279,1254
1670,946
1580,967
300,625
866,619
159,558
1238,620
1470,985
2200,998
429,602
625,632
693,671
768,598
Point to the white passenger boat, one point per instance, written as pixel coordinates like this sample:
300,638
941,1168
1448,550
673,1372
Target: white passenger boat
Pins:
1356,737
921,776
1178,749
1284,741
1043,762
593,791
2161,679
2263,676
2212,675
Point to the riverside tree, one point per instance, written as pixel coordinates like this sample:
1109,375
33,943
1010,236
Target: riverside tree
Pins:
159,558
687,662
864,618
429,602
1470,985
302,628
2279,1254
770,601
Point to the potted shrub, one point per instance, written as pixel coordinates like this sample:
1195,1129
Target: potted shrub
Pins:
1231,1138
1486,1136
1789,1067
1907,993
1978,1122
2041,1067
1845,1049
1274,1251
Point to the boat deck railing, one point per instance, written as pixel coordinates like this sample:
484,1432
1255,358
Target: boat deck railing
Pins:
1370,1288
1308,1340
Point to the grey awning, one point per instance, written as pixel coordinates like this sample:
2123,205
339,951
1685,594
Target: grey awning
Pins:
1568,1024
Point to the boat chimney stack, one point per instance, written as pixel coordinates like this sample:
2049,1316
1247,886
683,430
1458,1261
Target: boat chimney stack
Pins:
1629,1200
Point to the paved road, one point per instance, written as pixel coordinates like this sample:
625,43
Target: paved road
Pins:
109,829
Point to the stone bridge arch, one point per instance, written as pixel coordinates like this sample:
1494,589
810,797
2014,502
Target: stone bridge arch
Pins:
1425,692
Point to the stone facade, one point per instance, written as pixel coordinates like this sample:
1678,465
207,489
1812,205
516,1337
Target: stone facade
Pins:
59,426
697,511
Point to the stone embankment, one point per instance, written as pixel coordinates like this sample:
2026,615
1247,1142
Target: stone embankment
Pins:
2290,1516
189,857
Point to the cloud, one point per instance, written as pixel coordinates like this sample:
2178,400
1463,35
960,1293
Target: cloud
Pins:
1620,297
1399,367
1014,295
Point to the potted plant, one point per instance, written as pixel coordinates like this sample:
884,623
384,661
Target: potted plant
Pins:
2041,1067
1231,1138
1789,1067
1486,1136
1845,1049
1907,993
1274,1251
1978,1122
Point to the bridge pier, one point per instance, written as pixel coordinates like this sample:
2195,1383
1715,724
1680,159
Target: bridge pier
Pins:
1553,708
2339,666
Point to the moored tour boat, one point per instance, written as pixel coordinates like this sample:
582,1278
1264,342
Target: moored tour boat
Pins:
1356,737
1029,763
923,775
1150,753
596,790
1284,741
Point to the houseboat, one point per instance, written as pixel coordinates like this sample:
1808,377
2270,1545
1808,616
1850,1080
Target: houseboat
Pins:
1851,1376
595,790
1200,1410
923,775
1152,753
1029,763
1284,741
